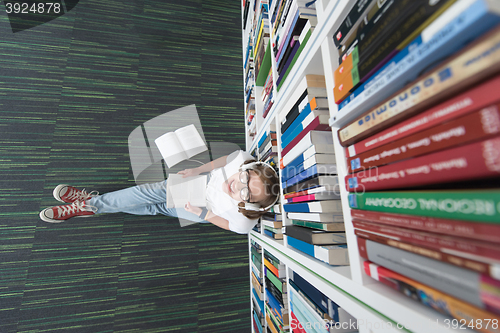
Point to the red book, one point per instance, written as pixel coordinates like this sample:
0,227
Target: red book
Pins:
460,247
463,312
473,161
313,126
474,230
480,124
474,265
296,325
483,95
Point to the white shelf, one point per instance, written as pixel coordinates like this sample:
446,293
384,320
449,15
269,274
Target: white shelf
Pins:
375,305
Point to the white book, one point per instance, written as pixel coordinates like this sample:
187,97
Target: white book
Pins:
325,206
315,86
332,254
317,217
180,145
323,142
183,190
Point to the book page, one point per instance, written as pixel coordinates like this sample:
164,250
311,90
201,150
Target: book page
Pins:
191,140
183,190
171,149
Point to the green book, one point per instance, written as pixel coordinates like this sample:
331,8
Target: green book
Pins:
277,282
326,226
264,68
469,205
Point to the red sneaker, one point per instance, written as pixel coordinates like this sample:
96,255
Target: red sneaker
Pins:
70,194
61,213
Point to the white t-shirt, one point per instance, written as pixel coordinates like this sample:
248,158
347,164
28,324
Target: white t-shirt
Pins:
221,203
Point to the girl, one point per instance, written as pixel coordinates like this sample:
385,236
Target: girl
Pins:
233,203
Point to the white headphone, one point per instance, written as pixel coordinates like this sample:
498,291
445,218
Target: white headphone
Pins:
255,206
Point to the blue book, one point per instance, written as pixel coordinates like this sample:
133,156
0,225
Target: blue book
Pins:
301,246
257,299
292,168
405,67
324,206
313,171
296,127
274,305
269,233
314,294
263,138
257,320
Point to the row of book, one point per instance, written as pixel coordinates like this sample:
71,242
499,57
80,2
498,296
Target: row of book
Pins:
311,310
292,305
447,29
424,161
262,53
268,146
291,23
276,294
309,175
258,314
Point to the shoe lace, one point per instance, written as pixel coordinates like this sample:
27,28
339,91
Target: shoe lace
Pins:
76,195
75,207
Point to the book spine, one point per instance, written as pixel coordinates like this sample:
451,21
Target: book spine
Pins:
315,125
374,55
434,299
301,246
320,226
322,140
288,64
305,174
473,230
461,283
459,246
296,325
277,282
470,264
473,161
473,64
314,294
478,125
327,206
271,267
282,77
476,206
473,99
294,112
352,20
281,298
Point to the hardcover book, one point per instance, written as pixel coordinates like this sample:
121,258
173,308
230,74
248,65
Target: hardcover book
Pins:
315,237
430,297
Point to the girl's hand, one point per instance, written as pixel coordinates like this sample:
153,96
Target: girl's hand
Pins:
189,172
193,209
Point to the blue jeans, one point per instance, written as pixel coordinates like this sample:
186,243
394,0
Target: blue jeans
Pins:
146,199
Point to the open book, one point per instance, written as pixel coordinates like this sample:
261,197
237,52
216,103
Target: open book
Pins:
180,145
183,190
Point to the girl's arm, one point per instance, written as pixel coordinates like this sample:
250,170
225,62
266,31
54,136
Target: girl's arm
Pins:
211,217
220,162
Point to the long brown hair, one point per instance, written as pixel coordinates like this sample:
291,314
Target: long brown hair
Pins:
271,187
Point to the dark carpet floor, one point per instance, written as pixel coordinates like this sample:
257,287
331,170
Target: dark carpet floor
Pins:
71,91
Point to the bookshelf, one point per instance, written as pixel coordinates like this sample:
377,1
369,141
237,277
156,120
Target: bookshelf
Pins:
376,307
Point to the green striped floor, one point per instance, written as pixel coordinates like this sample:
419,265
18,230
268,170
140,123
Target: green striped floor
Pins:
71,91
